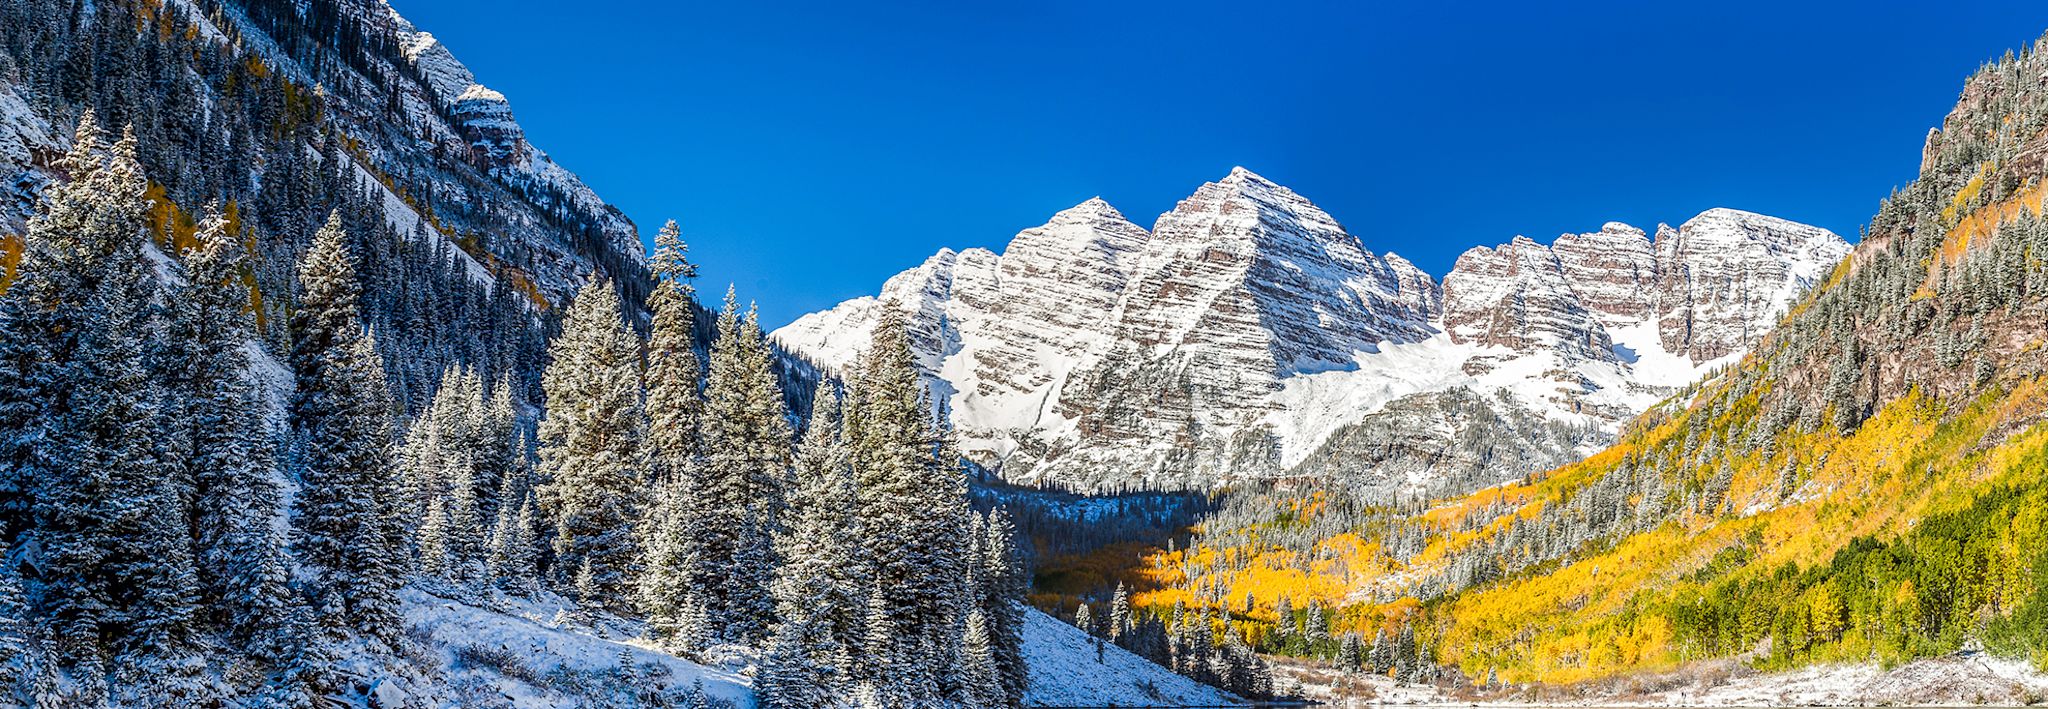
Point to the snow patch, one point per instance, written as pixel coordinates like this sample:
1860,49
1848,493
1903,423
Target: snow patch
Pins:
1065,673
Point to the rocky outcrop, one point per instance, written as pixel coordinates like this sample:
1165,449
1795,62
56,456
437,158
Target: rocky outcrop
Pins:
1711,287
1418,289
1613,271
1516,297
1725,276
485,119
1248,334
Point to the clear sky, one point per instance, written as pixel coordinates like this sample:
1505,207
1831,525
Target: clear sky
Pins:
812,149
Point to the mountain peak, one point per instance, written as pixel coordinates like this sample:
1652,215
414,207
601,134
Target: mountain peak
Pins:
1094,209
1620,228
1239,174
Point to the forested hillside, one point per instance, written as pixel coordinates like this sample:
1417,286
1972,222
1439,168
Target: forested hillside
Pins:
305,362
1867,486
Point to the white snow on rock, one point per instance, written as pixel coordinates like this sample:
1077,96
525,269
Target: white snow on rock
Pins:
1064,673
1247,326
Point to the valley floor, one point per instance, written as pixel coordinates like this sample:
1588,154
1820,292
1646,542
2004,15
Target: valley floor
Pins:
1967,679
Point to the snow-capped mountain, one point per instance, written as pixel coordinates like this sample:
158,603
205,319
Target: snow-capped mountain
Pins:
1248,334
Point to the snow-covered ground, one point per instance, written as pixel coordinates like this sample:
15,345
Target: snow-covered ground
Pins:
1064,673
1973,679
528,654
1955,680
533,654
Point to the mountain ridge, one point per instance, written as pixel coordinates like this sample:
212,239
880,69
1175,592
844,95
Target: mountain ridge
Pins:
1119,360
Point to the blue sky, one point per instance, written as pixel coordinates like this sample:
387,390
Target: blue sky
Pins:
810,150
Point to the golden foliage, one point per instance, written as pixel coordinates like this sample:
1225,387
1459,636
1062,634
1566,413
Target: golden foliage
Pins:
11,246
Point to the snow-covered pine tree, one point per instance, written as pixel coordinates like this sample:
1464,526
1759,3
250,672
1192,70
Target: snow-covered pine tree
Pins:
1119,612
792,676
463,543
38,319
512,545
815,587
497,452
590,449
1316,627
345,526
1084,619
674,451
26,676
911,511
663,592
978,665
738,502
50,499
225,444
1004,582
424,497
674,404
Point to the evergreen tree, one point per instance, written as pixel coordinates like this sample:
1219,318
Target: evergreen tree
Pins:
222,438
590,448
911,512
737,505
815,587
978,665
345,519
792,676
26,678
1316,628
674,452
1119,612
1005,581
512,539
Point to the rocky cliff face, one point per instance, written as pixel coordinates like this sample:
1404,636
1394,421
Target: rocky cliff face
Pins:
1724,274
1516,298
1613,271
1247,334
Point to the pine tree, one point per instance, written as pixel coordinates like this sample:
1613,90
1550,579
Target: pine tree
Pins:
345,520
792,676
815,587
1084,619
737,505
590,448
512,540
1119,612
911,512
674,452
85,478
25,672
222,437
1316,629
978,665
463,544
1005,581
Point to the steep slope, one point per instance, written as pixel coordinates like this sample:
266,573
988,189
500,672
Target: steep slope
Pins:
452,161
1864,489
1066,673
1247,335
